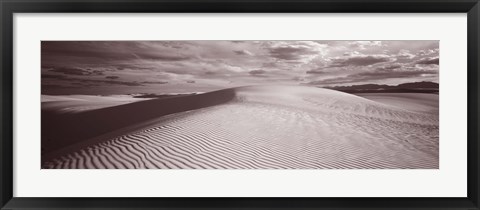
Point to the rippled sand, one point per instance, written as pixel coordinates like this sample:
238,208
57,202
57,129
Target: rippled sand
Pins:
258,127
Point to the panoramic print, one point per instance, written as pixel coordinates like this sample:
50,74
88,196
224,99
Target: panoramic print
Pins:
236,104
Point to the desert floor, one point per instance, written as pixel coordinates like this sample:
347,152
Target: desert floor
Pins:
256,127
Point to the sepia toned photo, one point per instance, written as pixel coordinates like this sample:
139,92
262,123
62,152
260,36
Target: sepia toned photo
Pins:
307,104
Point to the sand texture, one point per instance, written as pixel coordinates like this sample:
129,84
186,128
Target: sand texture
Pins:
255,127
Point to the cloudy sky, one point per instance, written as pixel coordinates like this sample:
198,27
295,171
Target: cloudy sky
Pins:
119,67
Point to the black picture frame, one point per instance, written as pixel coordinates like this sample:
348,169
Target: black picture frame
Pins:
10,7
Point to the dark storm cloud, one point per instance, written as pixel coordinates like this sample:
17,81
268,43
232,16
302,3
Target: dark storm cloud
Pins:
360,60
429,61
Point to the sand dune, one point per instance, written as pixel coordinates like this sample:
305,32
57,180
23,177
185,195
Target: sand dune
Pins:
420,102
81,103
257,127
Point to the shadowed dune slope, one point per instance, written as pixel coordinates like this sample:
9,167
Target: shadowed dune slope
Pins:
257,127
81,103
63,129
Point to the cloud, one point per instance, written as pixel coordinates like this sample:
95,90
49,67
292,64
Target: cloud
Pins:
211,73
405,55
112,77
429,61
91,82
298,79
91,51
113,53
155,82
376,75
122,67
270,65
314,72
390,67
351,53
179,71
96,72
427,52
160,57
243,52
257,72
71,71
290,51
122,83
360,60
214,63
362,45
76,71
52,76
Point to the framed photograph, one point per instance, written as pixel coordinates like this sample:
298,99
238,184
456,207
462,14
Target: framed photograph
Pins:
269,104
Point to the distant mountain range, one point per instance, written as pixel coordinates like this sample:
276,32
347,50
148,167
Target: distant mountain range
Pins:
413,87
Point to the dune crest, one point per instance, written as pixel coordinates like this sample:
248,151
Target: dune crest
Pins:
255,127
